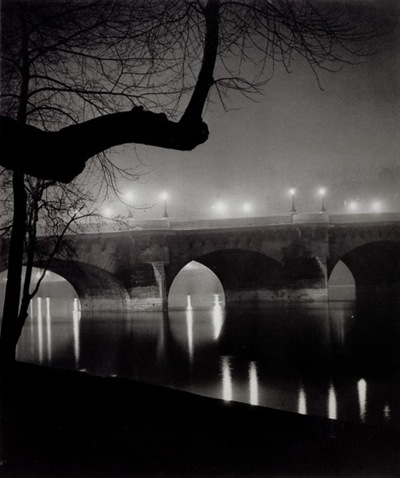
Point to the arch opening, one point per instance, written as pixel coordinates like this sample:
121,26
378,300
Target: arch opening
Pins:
247,277
98,290
55,294
245,270
376,269
341,284
195,286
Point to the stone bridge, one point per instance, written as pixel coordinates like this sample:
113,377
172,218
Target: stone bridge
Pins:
286,258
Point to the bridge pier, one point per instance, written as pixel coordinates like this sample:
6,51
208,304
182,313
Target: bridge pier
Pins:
147,287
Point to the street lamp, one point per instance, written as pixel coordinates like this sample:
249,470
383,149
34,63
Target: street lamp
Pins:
129,196
247,208
107,212
322,192
376,206
164,197
220,207
292,192
353,206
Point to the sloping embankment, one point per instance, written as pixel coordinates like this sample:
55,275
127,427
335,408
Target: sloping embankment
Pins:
68,424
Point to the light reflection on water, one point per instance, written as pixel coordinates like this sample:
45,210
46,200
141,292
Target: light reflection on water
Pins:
40,329
362,398
335,362
302,401
189,325
48,327
332,404
253,383
226,372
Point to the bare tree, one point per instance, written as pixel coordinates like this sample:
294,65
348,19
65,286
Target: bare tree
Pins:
80,77
108,73
52,211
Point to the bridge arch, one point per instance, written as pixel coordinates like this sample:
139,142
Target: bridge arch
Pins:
97,289
341,283
197,286
63,296
245,275
375,267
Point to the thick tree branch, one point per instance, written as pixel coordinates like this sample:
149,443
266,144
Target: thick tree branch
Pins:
62,155
205,79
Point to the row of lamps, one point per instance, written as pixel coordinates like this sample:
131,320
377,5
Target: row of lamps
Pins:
220,207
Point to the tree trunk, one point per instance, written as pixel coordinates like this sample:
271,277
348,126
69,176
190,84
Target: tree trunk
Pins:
26,297
11,328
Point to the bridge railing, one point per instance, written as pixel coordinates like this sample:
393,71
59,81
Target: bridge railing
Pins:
185,224
231,222
365,217
297,218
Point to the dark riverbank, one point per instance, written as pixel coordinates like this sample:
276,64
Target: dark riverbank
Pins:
69,424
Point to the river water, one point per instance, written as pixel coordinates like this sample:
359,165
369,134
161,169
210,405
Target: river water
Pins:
339,360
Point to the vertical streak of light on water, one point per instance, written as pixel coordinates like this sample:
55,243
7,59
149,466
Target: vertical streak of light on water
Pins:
302,401
189,327
217,317
332,403
226,379
32,332
362,398
161,339
253,383
48,328
76,315
386,412
40,328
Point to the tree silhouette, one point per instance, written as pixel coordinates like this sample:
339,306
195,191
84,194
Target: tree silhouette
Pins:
52,212
99,74
80,77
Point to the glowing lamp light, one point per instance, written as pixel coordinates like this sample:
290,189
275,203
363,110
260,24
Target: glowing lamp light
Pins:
322,192
247,207
220,207
292,192
376,206
107,212
129,195
353,206
164,197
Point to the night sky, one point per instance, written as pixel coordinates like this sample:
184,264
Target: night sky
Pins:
294,135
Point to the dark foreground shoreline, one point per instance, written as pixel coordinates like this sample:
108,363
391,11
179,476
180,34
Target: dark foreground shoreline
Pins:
69,424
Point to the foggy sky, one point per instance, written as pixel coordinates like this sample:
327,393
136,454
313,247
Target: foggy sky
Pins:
295,135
